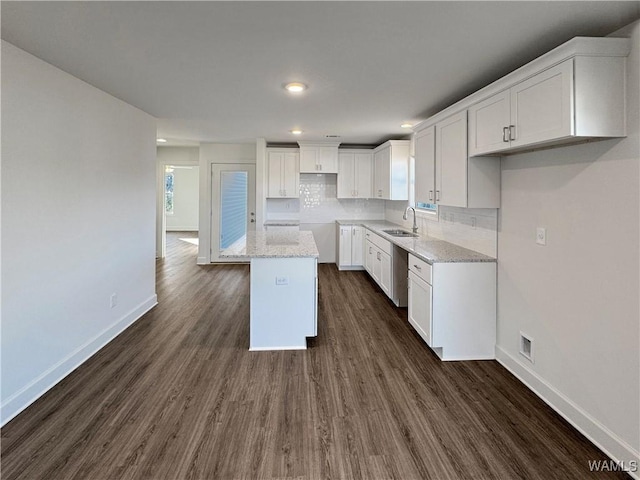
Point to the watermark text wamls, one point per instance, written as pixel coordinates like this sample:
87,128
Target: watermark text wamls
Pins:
613,466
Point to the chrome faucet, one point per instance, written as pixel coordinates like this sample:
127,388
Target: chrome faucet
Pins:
404,217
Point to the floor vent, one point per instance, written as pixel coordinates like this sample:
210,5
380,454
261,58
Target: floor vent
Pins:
526,347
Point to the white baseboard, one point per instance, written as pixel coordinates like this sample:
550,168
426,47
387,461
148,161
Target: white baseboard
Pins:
20,400
182,229
202,261
607,441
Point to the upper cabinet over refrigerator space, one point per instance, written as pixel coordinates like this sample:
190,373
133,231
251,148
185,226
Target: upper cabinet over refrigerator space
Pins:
573,93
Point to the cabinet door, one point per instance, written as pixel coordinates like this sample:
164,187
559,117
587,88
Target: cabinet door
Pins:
346,165
328,159
368,257
357,245
542,106
382,174
385,273
274,174
363,173
489,123
425,165
345,245
291,175
376,267
451,161
419,306
309,160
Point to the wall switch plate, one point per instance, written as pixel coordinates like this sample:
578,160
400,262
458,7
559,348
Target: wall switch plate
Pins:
113,300
541,236
282,280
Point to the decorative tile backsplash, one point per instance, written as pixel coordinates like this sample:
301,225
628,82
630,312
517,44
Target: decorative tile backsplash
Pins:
318,203
473,228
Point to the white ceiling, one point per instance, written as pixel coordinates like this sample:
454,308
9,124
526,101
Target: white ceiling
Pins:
214,71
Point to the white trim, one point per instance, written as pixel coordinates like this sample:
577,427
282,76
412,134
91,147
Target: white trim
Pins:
607,441
182,229
269,349
20,400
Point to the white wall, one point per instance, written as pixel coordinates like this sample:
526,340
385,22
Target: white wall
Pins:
78,209
216,153
578,296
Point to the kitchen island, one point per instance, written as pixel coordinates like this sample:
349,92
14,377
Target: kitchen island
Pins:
284,288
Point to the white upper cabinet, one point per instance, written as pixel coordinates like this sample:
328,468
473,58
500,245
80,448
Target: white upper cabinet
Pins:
489,123
318,158
451,161
541,107
283,174
355,174
446,175
425,165
391,170
575,92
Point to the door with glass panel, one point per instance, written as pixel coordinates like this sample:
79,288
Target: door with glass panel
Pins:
233,207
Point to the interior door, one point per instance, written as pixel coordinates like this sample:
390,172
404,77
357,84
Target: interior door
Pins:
233,199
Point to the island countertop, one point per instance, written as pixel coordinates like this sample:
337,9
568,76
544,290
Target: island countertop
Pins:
274,245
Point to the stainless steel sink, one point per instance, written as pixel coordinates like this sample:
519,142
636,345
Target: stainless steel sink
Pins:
399,233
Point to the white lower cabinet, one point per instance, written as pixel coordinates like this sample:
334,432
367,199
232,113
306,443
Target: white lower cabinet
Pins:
452,306
350,251
419,311
387,265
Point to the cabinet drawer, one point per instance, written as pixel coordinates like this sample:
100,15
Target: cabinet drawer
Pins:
421,268
378,241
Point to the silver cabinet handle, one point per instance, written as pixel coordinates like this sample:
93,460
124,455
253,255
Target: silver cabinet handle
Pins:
417,267
431,195
378,255
505,134
370,251
437,195
354,231
512,132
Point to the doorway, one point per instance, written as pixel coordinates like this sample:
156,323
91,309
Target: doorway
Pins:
233,204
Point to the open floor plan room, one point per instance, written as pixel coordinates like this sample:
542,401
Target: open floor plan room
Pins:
178,395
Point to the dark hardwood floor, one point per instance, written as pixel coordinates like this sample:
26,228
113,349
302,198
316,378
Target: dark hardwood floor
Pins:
179,396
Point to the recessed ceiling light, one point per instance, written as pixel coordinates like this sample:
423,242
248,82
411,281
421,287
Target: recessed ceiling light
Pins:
295,87
161,140
296,131
406,125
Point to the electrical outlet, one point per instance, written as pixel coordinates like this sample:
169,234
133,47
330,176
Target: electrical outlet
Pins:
541,236
473,222
114,300
282,280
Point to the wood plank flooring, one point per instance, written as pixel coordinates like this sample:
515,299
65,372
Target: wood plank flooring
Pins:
179,396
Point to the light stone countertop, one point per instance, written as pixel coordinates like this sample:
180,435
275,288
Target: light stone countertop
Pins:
282,223
274,245
431,250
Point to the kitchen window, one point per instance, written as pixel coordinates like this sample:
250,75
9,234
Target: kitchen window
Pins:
168,190
428,208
